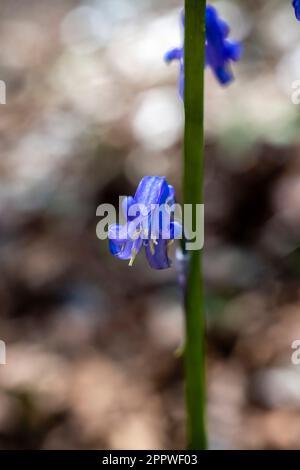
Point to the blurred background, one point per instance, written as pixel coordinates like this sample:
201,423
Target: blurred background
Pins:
91,344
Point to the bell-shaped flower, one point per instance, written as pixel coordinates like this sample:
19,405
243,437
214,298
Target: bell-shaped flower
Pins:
149,223
219,50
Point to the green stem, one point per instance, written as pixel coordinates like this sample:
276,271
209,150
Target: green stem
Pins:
193,194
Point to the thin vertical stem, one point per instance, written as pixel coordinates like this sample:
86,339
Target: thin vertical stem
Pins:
193,194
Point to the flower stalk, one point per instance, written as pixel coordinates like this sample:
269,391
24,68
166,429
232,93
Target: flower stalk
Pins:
194,62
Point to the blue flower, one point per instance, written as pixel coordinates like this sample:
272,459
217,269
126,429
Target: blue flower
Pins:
149,224
296,5
219,51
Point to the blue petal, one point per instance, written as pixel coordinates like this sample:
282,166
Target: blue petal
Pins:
120,244
224,28
296,5
152,190
171,197
211,15
223,75
122,240
121,250
172,232
157,255
234,50
118,233
176,230
173,54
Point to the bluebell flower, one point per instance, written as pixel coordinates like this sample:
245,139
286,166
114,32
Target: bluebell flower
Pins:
219,51
149,223
296,5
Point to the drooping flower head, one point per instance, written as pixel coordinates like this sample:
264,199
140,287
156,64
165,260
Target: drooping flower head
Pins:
148,223
296,5
219,51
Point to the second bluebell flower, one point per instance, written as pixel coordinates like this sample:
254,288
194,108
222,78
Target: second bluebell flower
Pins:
219,50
